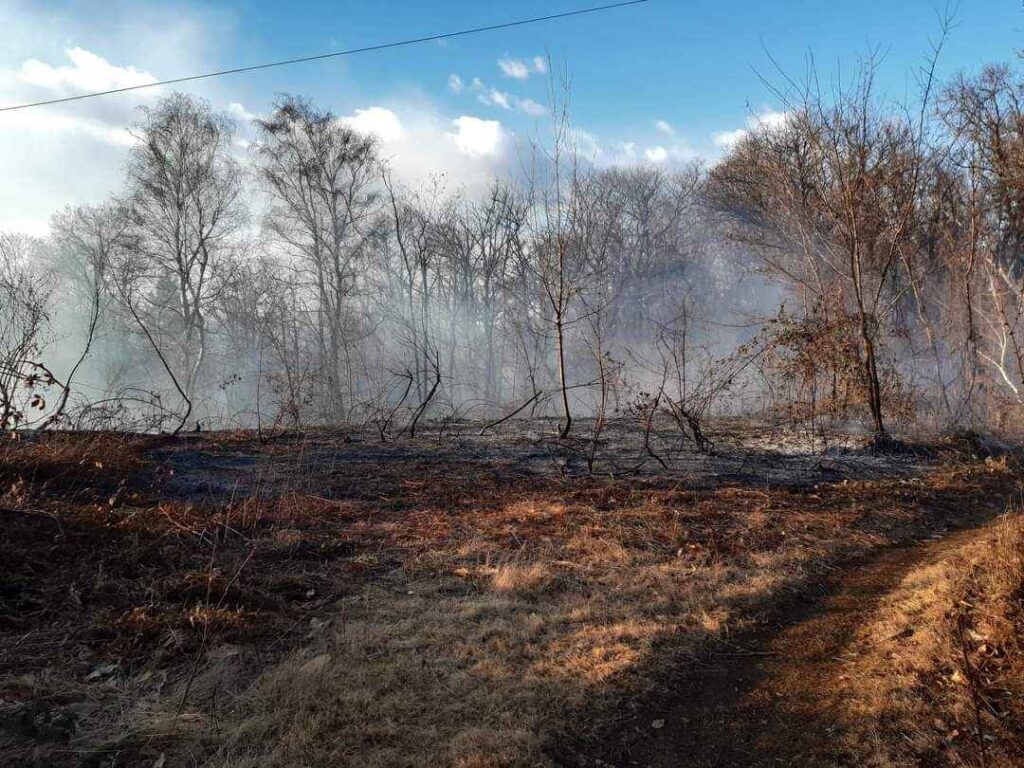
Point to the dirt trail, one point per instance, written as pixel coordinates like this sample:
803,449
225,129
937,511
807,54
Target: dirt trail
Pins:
776,701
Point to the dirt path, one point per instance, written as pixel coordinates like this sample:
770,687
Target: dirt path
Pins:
775,701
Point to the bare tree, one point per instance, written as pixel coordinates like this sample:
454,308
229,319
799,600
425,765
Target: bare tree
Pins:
885,248
986,116
185,208
86,241
413,224
25,296
560,256
480,241
325,180
829,202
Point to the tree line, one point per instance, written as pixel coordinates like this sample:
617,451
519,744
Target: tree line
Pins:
856,260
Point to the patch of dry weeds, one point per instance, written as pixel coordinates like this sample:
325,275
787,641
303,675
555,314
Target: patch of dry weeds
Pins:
938,673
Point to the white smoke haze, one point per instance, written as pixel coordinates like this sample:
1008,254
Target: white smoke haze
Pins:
449,258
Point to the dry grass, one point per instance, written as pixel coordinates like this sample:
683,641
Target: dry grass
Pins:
422,613
455,661
522,578
944,654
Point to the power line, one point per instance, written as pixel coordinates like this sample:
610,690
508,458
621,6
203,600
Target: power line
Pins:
335,54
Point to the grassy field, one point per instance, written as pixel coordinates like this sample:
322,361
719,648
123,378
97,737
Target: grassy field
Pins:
327,599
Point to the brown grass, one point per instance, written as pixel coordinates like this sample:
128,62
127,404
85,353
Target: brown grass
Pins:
416,614
455,661
944,654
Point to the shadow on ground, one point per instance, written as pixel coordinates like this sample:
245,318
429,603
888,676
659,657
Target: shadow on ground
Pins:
775,695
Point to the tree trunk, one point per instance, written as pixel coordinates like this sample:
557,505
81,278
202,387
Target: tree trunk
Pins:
562,379
871,373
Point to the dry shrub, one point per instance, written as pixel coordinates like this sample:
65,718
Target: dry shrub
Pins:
1006,575
592,547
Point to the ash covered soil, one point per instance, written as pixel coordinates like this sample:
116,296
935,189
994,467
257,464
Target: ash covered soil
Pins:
157,592
356,463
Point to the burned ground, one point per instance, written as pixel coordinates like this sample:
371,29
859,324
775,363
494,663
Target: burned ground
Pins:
331,599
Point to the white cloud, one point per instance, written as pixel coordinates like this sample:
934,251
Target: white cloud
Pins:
656,154
626,153
238,112
729,139
74,153
586,145
771,119
664,127
65,153
87,73
768,120
73,126
531,107
514,68
420,143
377,121
479,138
522,69
493,97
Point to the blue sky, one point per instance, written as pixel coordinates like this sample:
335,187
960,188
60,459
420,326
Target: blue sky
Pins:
658,81
691,62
